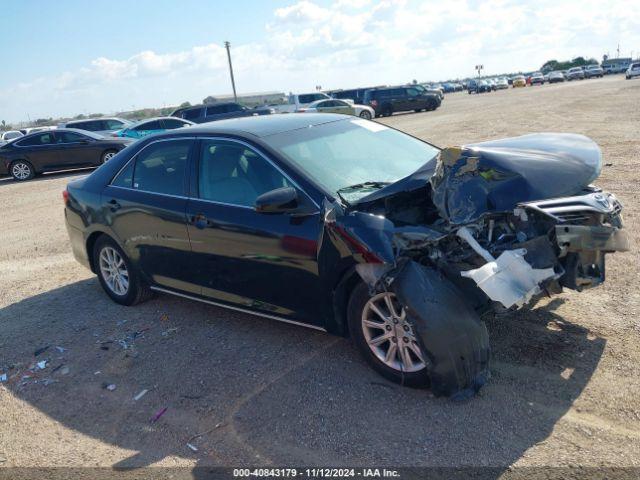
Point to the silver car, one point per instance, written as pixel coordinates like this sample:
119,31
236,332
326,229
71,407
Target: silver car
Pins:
101,126
633,71
575,73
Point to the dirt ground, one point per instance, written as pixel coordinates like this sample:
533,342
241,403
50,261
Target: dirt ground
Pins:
565,386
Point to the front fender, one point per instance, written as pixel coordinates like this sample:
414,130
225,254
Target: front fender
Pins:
454,338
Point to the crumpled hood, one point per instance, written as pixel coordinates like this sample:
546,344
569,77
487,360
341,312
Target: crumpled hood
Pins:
497,175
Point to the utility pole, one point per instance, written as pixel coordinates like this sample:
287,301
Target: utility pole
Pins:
233,82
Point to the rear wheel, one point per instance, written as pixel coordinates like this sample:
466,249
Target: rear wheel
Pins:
384,336
108,155
116,274
22,170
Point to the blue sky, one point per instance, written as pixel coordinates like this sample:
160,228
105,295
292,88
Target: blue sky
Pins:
70,56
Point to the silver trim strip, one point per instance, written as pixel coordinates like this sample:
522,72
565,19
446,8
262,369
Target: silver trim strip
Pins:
239,309
182,197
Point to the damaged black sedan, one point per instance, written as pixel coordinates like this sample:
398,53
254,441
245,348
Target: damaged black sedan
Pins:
351,227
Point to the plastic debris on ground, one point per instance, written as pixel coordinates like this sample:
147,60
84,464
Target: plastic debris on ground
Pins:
109,386
192,447
140,395
42,364
61,349
3,377
169,331
158,414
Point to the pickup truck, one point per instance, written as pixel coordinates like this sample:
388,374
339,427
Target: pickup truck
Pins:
218,111
298,101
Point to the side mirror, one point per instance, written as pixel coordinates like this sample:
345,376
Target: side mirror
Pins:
280,200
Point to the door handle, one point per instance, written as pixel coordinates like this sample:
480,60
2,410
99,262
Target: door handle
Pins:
114,205
200,221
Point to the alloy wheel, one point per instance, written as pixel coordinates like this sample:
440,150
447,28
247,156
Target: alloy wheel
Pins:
389,335
114,271
21,171
108,156
365,114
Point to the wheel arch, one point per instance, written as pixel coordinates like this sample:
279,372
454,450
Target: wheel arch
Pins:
339,324
90,244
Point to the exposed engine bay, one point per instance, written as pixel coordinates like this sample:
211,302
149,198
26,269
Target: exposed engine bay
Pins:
504,222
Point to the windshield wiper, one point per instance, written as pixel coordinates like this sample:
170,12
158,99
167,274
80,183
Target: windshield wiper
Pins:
359,187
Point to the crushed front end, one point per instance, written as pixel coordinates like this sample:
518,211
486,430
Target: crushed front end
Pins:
495,225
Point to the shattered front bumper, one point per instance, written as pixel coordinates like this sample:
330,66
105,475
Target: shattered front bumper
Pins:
571,254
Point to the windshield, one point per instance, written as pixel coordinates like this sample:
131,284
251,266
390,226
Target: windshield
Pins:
352,152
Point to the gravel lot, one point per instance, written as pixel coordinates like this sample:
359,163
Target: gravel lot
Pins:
565,387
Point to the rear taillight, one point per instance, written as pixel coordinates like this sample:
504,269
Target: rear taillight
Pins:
65,197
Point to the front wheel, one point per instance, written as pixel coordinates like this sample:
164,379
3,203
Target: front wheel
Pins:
22,170
366,114
116,273
385,337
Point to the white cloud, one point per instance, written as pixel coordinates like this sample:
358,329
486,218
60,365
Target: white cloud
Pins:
345,44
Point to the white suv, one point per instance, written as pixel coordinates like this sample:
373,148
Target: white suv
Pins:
633,71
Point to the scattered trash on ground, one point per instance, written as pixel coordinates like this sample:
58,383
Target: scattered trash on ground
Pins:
98,372
40,351
168,332
140,395
158,414
3,377
109,386
42,364
61,349
192,447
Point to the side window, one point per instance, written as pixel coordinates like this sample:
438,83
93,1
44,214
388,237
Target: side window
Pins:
125,177
234,107
216,110
412,92
192,114
113,125
231,173
155,125
70,137
79,125
170,123
36,140
160,168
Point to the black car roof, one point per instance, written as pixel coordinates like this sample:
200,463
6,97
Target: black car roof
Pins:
263,125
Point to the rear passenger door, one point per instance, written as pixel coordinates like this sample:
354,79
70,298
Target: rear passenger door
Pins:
145,206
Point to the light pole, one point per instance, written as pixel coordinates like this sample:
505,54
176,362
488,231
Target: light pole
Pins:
479,69
233,82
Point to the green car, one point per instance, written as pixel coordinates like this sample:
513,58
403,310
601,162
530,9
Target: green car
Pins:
152,125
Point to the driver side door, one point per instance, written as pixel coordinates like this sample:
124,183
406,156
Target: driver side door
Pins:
243,258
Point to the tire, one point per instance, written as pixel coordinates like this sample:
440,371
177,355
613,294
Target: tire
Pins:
21,170
387,110
355,310
418,110
365,114
136,290
108,155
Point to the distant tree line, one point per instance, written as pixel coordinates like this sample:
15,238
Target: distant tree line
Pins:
567,64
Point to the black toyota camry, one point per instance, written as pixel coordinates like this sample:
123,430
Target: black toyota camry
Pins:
351,227
60,149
